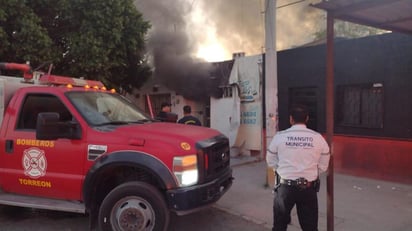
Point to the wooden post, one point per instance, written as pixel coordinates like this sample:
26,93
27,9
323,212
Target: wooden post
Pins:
330,116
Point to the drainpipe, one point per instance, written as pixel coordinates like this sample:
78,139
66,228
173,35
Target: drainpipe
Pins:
149,104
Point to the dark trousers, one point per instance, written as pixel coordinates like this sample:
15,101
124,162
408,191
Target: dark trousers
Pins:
306,202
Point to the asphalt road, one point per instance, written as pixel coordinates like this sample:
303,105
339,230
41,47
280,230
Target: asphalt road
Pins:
23,219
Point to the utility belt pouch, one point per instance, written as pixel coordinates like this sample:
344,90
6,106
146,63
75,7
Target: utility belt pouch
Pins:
302,183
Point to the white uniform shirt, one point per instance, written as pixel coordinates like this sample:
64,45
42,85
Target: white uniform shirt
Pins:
298,152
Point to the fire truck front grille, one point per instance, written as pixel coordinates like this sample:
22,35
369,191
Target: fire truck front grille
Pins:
216,157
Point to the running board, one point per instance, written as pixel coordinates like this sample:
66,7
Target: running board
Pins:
42,203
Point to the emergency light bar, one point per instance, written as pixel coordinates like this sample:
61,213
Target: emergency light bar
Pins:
48,79
63,80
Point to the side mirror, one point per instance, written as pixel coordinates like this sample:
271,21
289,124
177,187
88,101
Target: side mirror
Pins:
49,127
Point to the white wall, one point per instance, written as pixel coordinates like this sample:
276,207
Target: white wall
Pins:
240,117
225,116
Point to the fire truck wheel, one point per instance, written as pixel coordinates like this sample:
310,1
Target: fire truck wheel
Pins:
134,206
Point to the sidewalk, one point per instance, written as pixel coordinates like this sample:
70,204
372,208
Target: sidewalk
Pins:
359,203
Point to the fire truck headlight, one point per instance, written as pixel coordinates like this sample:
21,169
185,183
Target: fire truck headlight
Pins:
185,170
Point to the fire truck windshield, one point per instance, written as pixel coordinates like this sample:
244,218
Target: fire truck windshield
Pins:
101,108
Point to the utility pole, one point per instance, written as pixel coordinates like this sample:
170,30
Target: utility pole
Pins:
270,79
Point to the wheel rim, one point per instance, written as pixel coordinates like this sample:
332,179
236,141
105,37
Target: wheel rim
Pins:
132,213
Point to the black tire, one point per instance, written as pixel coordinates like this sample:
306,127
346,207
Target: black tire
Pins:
134,206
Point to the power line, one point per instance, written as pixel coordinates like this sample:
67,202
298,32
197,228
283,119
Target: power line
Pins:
289,4
282,6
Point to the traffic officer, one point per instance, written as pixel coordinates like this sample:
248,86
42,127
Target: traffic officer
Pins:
298,155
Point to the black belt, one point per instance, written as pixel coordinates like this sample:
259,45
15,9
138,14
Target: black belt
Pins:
301,182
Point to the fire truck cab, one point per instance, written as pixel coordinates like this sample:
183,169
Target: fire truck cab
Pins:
69,144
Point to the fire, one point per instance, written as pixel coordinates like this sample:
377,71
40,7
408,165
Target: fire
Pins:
212,52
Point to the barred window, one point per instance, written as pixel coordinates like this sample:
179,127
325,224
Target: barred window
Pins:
360,105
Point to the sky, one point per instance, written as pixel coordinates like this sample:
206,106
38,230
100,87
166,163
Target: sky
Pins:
215,29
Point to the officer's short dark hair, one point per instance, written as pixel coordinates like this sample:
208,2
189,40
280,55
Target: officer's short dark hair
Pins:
187,109
299,113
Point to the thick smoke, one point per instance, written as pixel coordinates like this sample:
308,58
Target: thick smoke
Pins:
171,48
240,23
297,24
238,26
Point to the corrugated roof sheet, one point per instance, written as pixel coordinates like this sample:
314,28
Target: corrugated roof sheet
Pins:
393,15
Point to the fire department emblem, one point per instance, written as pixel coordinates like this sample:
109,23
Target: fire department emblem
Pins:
34,163
185,146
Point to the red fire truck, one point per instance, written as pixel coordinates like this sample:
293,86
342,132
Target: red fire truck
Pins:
71,145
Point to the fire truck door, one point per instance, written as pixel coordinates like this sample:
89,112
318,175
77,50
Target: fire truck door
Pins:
51,168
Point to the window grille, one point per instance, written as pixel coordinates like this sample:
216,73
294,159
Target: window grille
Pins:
360,105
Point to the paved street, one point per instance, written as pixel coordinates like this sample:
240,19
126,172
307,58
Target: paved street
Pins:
359,203
22,219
